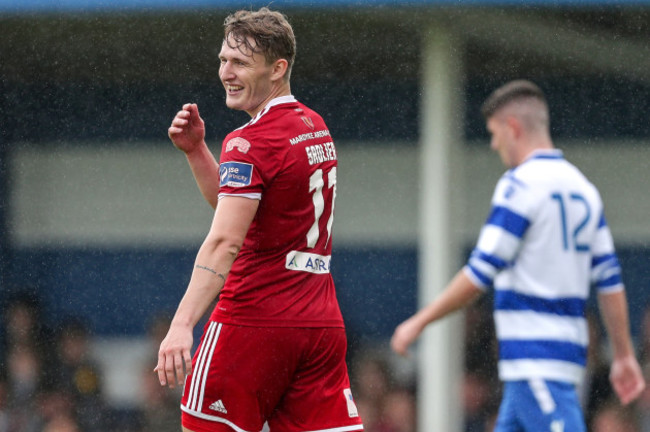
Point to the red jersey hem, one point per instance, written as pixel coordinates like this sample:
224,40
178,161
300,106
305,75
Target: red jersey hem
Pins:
252,322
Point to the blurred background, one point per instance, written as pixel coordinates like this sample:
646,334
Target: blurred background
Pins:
100,219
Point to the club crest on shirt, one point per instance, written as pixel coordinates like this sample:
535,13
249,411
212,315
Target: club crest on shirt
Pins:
308,121
238,142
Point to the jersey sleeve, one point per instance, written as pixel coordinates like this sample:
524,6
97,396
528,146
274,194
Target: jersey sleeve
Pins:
501,235
246,166
605,268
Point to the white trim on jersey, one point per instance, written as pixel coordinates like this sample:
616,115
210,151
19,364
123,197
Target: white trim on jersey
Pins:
273,102
253,196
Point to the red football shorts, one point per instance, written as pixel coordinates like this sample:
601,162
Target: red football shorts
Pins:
295,379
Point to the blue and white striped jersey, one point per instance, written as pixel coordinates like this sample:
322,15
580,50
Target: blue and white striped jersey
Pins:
543,245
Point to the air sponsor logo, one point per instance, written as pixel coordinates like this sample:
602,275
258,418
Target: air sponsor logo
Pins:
235,174
308,262
239,143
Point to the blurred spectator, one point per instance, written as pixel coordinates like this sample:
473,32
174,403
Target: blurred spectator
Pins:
595,388
160,411
78,375
398,412
644,337
24,367
643,405
62,423
370,413
384,404
57,409
371,381
480,400
23,323
480,387
372,377
4,407
24,376
613,417
481,349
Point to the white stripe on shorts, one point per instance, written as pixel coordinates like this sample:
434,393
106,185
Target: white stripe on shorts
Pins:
200,373
542,394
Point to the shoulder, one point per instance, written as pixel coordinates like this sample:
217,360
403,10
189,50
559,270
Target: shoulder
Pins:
519,189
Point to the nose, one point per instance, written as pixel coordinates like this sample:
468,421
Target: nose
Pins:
225,71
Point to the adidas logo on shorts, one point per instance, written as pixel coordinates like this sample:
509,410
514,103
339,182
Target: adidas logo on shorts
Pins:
219,407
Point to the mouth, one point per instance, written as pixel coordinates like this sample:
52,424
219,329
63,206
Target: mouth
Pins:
232,89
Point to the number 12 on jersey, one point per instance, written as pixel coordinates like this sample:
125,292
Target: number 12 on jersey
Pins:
575,204
316,185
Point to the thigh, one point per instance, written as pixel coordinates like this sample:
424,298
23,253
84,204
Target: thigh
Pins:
319,396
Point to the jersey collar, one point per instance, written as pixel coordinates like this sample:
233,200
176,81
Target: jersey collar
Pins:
273,102
545,154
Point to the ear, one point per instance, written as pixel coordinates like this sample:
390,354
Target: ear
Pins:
514,125
280,67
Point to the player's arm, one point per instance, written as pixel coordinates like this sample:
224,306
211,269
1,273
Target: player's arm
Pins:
187,132
216,255
460,292
625,375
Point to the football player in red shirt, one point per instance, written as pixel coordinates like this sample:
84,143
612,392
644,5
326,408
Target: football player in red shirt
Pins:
273,350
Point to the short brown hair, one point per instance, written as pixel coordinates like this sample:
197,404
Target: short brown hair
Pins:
269,29
509,92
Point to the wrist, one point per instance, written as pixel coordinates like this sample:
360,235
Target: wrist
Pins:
197,149
181,322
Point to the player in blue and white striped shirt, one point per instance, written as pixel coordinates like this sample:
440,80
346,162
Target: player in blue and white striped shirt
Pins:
543,246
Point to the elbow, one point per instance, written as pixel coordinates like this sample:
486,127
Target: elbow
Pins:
232,249
224,246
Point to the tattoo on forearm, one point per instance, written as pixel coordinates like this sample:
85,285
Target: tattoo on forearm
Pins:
205,268
211,271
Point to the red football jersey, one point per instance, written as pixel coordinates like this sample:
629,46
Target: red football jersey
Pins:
285,157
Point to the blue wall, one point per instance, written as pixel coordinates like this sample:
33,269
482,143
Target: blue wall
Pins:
119,291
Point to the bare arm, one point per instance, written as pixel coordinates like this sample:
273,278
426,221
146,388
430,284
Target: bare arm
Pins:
460,292
625,374
187,132
213,262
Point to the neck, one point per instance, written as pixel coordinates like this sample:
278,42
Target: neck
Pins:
541,143
282,89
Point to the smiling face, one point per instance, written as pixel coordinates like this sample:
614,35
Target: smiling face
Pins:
250,81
